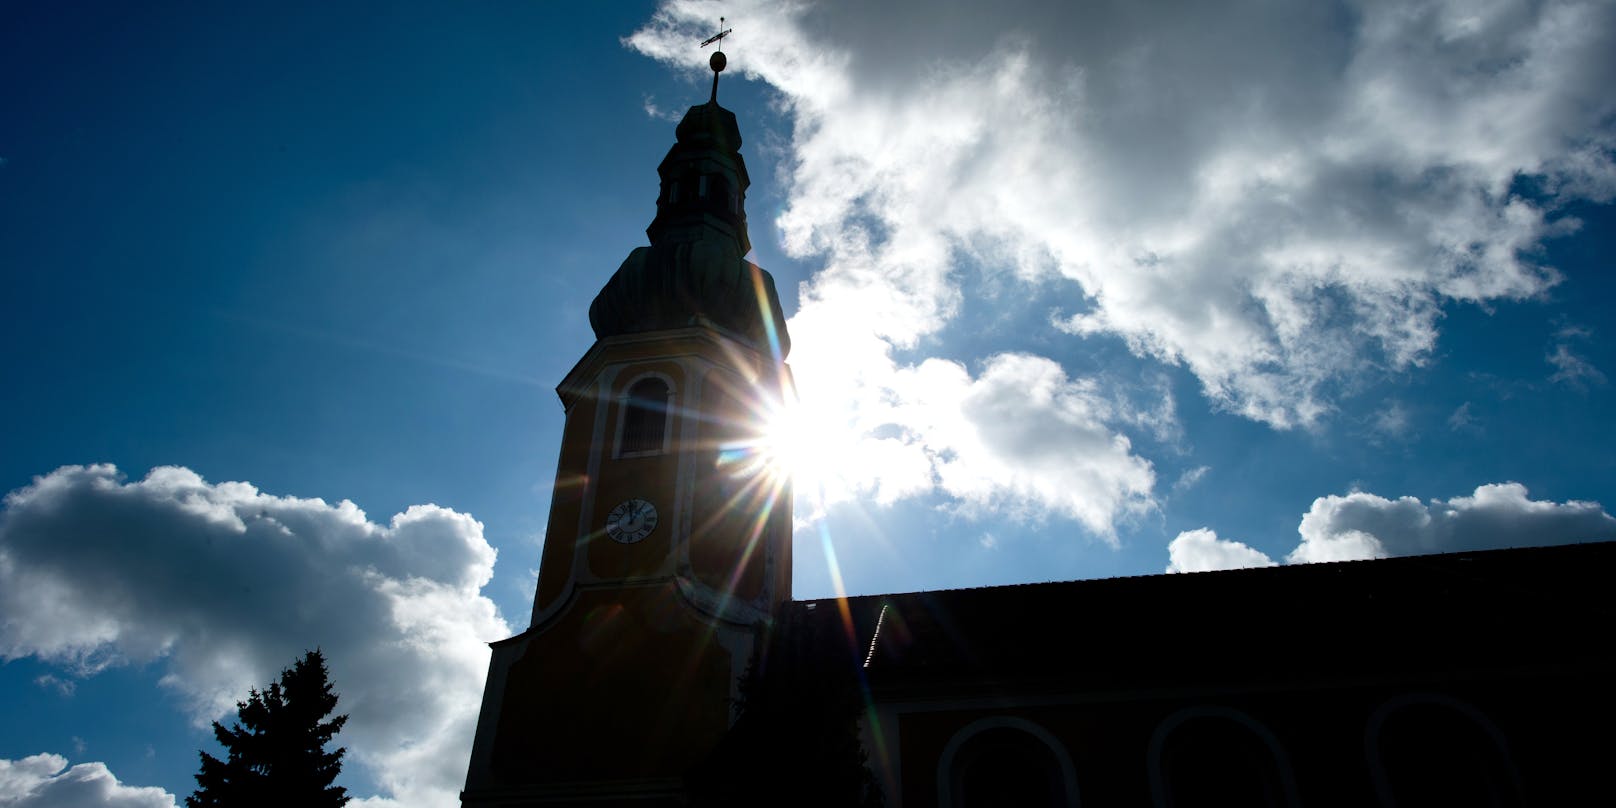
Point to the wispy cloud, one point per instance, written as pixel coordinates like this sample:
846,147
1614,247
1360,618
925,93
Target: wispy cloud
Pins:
1391,421
1571,368
653,110
1462,419
62,687
1190,478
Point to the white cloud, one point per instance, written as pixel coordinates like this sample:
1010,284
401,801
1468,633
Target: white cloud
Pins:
1391,421
654,110
45,781
63,687
1019,438
1190,478
1279,200
1343,545
224,586
1570,368
1573,370
1027,436
1363,525
1201,550
1462,419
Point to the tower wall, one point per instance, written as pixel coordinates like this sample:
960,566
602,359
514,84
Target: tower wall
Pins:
629,672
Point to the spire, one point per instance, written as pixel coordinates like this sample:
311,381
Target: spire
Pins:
704,180
703,177
717,63
718,60
695,271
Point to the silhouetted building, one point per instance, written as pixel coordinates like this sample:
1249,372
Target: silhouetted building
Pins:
666,663
1462,679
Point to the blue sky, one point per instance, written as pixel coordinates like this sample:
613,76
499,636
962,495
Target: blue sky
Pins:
1075,292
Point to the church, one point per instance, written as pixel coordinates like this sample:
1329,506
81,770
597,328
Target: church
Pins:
666,662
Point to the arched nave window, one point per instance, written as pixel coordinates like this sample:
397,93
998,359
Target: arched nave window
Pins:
1005,762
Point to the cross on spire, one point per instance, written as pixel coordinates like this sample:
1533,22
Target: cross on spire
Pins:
718,61
718,37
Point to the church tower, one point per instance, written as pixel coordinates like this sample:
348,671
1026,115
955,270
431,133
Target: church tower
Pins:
668,548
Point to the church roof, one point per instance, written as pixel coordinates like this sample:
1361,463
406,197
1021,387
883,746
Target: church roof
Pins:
1444,614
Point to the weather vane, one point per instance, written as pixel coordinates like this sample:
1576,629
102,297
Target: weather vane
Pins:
718,37
718,61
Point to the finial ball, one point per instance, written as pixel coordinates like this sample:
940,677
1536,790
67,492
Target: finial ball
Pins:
717,62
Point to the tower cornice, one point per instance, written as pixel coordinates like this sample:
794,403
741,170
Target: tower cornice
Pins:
694,340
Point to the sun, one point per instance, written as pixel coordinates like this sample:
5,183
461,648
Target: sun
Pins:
799,445
788,447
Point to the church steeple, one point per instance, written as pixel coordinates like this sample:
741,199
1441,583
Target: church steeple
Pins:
664,561
695,271
704,180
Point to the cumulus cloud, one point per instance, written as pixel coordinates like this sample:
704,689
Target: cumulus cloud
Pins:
45,781
1280,199
1019,437
1027,435
224,585
1201,550
1362,526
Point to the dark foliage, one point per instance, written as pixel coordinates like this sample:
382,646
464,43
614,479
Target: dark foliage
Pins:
795,741
276,751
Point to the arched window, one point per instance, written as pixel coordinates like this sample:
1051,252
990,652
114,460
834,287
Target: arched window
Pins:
1214,756
1433,750
645,417
1003,762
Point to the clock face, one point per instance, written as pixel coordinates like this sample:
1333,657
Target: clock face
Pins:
631,521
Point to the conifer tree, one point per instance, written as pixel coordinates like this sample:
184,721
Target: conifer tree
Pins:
276,751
